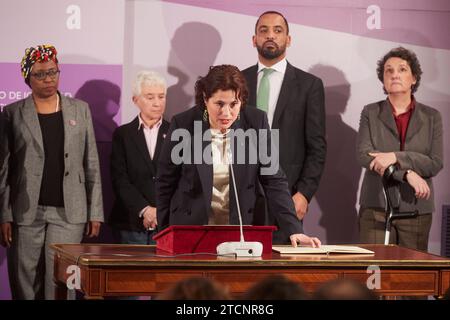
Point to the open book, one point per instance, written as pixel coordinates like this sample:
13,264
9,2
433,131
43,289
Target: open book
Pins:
323,249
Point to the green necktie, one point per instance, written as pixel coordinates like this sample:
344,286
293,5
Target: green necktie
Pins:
262,99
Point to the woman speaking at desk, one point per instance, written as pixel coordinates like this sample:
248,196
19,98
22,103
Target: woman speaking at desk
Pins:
194,184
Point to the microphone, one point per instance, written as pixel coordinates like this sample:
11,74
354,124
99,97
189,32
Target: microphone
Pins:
240,248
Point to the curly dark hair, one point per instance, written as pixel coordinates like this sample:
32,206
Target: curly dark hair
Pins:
406,55
223,77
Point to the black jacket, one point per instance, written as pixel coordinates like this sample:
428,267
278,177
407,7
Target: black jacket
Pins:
184,190
300,118
133,174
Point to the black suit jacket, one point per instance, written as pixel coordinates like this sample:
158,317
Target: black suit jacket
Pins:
184,190
133,174
300,118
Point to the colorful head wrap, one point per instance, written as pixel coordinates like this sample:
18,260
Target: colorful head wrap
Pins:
41,53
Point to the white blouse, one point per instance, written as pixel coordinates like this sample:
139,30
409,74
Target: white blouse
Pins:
220,204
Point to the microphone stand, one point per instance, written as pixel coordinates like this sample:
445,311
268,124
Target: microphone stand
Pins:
237,202
241,248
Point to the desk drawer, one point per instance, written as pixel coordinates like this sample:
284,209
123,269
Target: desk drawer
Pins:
396,282
143,281
239,282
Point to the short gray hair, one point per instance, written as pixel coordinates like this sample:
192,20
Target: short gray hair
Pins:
151,78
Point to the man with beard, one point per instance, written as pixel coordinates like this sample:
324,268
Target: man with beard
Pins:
294,102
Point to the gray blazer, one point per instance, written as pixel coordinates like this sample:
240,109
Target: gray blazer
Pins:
22,163
423,153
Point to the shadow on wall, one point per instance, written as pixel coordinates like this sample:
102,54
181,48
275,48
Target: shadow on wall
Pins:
103,98
338,188
194,49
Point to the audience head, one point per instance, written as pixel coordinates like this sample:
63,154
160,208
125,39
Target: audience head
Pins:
196,288
447,294
276,287
344,289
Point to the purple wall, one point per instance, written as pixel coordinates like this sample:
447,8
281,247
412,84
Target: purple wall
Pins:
401,20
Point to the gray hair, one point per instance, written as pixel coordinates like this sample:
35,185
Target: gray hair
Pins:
150,78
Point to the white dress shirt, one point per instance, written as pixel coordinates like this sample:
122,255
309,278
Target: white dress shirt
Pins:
275,80
220,200
150,134
151,137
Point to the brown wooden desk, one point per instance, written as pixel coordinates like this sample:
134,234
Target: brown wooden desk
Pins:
403,271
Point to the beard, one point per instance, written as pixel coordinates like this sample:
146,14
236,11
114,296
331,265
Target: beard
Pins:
271,53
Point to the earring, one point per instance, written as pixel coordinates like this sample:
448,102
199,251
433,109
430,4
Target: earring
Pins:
239,116
205,115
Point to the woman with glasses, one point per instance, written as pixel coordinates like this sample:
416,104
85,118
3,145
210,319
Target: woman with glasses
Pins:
50,185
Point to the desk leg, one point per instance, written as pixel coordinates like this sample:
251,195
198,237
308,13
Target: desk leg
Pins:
60,291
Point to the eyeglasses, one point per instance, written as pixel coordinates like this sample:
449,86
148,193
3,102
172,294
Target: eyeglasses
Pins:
43,74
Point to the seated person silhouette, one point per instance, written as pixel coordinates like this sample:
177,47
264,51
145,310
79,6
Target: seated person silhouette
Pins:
344,289
276,287
196,288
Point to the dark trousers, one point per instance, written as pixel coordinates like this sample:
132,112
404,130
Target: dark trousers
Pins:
134,237
410,233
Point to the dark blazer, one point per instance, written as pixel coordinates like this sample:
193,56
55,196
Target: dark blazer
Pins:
184,190
300,118
133,174
423,153
22,163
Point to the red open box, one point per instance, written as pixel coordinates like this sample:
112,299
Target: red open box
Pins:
178,239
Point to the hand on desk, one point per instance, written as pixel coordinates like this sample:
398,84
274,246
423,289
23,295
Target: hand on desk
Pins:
304,240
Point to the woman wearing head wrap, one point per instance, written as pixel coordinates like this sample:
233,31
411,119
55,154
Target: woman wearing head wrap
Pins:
49,176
